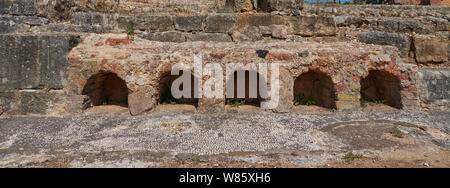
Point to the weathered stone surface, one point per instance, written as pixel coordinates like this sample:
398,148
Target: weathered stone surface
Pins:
260,19
91,28
388,24
220,23
53,59
5,6
430,49
29,20
157,23
34,61
81,18
345,21
405,25
313,26
169,36
143,100
6,27
18,7
286,93
147,58
413,25
1,110
60,8
440,2
32,102
381,38
434,85
206,105
441,24
254,33
277,31
251,33
215,37
408,2
279,5
37,102
239,5
6,101
190,23
12,24
80,28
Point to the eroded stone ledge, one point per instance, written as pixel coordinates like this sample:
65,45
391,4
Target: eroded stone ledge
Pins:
142,64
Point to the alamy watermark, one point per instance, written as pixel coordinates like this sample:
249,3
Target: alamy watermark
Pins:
212,87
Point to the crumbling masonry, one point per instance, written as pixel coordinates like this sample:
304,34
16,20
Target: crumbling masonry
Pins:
64,57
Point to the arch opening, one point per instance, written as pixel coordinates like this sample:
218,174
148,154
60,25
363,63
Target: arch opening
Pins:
247,100
106,88
314,88
166,97
381,87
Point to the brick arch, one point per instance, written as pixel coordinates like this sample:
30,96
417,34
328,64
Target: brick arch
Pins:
164,87
317,86
382,86
247,99
106,88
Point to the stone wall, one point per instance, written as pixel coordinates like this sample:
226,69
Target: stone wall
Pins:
141,64
37,36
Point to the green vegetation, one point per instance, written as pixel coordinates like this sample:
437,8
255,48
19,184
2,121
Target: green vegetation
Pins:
167,98
197,159
130,28
396,132
364,103
302,100
104,6
349,157
236,103
225,10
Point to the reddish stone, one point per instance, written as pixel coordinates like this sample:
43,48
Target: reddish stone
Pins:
218,55
411,88
404,77
117,42
440,2
340,87
280,56
104,62
408,2
122,57
356,78
99,44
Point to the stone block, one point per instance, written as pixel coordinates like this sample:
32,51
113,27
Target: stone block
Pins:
215,37
169,36
34,61
240,5
260,19
190,23
145,99
382,38
430,49
23,7
220,23
156,23
434,85
313,26
279,5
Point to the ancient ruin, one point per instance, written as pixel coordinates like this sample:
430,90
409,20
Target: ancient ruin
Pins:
63,57
70,58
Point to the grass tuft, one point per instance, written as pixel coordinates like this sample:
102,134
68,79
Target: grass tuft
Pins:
349,157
